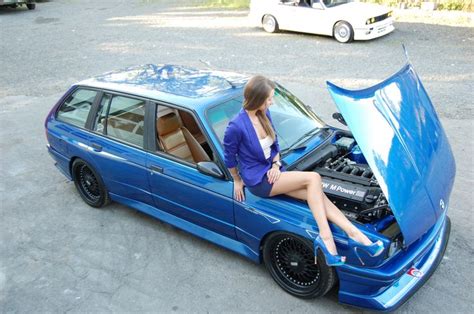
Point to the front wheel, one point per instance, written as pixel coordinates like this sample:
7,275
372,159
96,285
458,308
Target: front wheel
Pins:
31,6
270,24
89,184
343,32
290,260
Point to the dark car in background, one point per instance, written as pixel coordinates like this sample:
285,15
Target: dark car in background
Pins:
31,5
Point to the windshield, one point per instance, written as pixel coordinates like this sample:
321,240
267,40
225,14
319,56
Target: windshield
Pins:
290,117
333,3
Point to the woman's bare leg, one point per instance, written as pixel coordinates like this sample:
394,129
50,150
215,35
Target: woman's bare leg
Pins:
311,183
336,216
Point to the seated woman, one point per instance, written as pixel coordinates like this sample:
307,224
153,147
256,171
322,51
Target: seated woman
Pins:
250,142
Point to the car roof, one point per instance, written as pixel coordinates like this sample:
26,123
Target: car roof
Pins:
185,86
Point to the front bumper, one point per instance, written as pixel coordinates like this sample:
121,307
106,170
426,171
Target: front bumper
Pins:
388,287
375,30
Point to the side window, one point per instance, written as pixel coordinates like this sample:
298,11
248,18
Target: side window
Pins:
76,107
124,120
179,134
220,116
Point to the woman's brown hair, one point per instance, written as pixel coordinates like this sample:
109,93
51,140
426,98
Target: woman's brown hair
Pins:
256,91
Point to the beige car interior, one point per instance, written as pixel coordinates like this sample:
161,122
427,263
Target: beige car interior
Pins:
192,126
177,140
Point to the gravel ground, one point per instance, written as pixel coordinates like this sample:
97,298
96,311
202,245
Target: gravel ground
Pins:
59,255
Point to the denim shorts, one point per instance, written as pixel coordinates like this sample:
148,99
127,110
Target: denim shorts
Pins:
261,189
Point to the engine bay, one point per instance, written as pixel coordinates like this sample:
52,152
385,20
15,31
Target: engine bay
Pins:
347,179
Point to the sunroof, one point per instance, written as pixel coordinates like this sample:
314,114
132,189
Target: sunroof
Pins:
173,79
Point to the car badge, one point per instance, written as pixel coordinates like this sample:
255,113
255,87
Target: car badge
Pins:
441,204
415,272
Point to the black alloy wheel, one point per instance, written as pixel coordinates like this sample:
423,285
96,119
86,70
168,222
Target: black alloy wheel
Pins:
89,184
290,260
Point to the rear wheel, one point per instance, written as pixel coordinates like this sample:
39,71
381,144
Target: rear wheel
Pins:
89,184
31,6
290,261
343,32
270,24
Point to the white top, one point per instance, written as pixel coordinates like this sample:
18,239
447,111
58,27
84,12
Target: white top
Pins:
266,143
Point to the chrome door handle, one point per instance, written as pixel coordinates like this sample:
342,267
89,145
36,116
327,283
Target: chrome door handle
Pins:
156,169
96,147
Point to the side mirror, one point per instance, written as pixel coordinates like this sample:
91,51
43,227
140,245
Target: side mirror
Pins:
339,117
210,168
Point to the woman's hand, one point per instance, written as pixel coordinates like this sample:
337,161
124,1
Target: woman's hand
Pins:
273,174
239,190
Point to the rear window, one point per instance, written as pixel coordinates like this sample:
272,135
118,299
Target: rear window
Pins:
75,109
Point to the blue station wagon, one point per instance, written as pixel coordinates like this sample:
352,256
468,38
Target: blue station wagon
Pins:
150,137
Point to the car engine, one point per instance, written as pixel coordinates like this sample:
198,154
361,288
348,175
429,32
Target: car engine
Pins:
347,179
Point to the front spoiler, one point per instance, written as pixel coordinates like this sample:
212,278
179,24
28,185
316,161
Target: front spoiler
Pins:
401,289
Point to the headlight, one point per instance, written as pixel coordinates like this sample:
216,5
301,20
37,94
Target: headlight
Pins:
370,21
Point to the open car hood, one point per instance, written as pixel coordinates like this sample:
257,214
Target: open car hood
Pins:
402,139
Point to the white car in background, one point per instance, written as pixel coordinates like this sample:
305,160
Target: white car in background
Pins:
343,19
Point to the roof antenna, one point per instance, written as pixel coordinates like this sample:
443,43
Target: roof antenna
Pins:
207,63
210,67
406,53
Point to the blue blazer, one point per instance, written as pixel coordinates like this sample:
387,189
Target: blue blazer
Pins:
242,147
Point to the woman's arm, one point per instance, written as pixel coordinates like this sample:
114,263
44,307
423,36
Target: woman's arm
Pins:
238,185
231,143
276,159
232,139
274,173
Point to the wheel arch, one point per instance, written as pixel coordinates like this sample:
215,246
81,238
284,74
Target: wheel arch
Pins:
91,164
71,161
274,231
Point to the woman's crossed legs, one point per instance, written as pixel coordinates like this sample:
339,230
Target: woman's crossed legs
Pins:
308,186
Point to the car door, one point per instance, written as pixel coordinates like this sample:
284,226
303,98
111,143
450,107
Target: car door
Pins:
286,15
117,146
312,18
177,186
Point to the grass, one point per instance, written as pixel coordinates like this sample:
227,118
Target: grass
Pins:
228,4
466,5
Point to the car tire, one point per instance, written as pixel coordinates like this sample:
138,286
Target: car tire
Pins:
290,260
270,24
89,184
31,6
343,32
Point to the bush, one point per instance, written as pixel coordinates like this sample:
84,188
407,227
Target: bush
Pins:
467,5
233,4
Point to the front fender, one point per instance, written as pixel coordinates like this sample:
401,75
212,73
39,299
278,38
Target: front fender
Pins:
257,217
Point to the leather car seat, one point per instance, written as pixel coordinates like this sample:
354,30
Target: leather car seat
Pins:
178,141
190,123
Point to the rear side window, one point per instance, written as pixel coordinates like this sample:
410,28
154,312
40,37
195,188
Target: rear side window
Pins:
125,120
76,107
